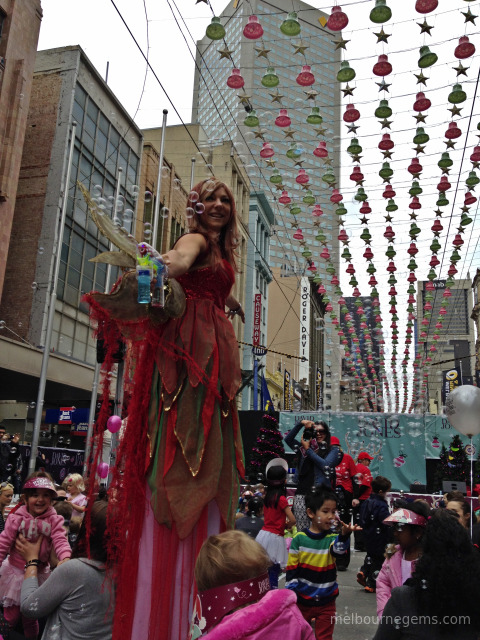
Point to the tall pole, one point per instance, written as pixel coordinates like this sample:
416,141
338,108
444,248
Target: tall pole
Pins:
96,372
192,173
51,310
156,209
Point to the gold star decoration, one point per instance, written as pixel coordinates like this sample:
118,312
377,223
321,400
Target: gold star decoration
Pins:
388,218
225,53
321,131
450,144
341,43
327,161
386,123
460,229
260,134
348,91
306,186
476,165
279,187
438,213
421,79
352,128
276,97
420,148
383,86
299,48
299,163
461,70
387,154
364,220
413,216
436,234
262,52
311,94
455,111
446,171
356,158
289,133
270,162
425,27
382,36
244,99
465,209
420,117
469,17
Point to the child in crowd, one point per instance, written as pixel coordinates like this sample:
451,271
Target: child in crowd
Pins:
75,487
311,570
252,521
6,495
277,515
37,517
409,528
376,535
259,490
362,490
231,572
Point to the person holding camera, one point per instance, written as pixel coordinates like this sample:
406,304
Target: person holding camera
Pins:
315,464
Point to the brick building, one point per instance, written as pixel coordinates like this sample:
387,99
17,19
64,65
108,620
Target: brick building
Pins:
19,29
66,88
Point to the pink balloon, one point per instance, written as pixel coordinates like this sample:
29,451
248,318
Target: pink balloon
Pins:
114,424
103,469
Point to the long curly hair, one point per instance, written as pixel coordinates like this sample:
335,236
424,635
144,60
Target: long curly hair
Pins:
447,575
226,248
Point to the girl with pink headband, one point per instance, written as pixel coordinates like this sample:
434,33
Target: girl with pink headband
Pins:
35,518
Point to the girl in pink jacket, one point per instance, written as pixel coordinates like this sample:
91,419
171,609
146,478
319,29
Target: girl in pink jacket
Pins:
234,600
401,558
35,518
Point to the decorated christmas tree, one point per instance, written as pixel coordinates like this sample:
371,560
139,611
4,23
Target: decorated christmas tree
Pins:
269,445
454,463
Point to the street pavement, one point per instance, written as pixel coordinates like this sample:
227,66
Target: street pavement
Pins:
356,609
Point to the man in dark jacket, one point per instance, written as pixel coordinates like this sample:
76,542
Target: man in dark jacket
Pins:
373,512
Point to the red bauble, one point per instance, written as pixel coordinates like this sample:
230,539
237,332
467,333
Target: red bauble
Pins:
382,67
389,192
464,49
336,196
305,78
415,166
235,81
282,120
267,150
415,203
453,131
302,177
425,6
475,157
470,198
421,103
412,250
437,226
338,20
351,114
444,184
385,143
284,198
321,151
253,29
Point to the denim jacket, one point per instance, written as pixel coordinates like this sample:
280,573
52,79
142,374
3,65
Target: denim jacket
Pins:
331,460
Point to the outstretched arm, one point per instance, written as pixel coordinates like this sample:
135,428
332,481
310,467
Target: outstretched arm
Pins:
182,257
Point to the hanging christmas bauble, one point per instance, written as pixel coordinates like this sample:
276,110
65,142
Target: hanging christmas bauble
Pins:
415,204
325,254
445,161
434,262
308,198
285,198
412,250
365,208
382,67
215,30
298,235
360,196
305,78
442,200
425,6
472,179
415,167
343,236
427,58
283,120
475,157
290,26
385,143
253,29
251,120
235,81
351,114
421,102
345,73
420,136
469,198
368,254
314,117
383,110
267,152
293,152
329,176
338,20
385,171
444,184
435,246
389,233
389,192
381,12
356,175
302,177
270,78
317,211
437,226
457,95
391,206
341,210
354,148
458,241
276,177
464,49
336,196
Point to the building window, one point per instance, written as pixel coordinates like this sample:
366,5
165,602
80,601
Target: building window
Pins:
3,22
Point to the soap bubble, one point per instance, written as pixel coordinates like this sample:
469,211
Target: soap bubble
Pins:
177,184
193,196
34,286
165,172
164,212
97,191
127,215
199,208
40,251
32,405
210,185
135,191
189,212
60,440
148,196
119,204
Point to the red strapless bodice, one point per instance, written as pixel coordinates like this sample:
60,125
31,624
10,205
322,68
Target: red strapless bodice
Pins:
209,283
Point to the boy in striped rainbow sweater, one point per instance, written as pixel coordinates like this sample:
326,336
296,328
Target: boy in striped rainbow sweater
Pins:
311,569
